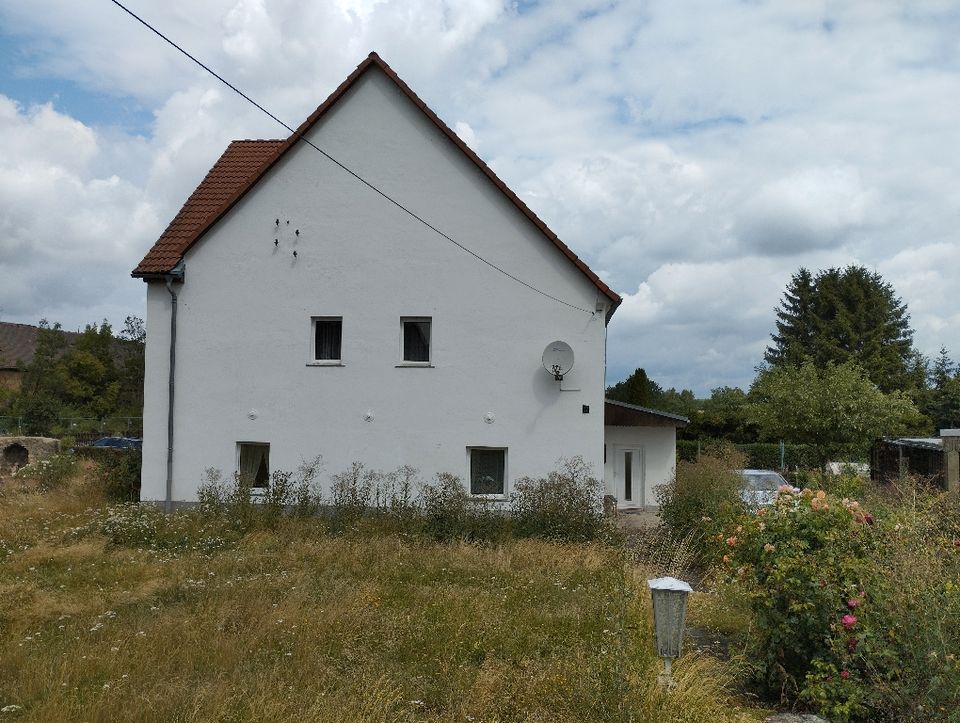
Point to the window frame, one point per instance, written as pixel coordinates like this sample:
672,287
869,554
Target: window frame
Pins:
506,472
254,490
404,362
313,360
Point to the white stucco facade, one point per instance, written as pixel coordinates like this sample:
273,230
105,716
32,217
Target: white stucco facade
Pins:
244,334
653,460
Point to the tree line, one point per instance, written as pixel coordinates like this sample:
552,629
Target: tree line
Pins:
840,371
94,375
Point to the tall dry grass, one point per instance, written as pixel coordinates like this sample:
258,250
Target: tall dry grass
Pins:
297,624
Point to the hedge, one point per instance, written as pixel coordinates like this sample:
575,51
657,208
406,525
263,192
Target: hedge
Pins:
761,455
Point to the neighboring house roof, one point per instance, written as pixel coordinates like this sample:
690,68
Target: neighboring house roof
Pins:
621,414
18,343
244,163
935,443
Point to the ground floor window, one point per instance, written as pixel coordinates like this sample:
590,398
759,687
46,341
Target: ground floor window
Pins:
488,471
253,463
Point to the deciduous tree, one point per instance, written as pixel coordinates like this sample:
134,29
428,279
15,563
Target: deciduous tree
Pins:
836,408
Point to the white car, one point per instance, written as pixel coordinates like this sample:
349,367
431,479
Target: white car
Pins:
760,486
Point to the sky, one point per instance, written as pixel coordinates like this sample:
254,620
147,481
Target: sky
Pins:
695,154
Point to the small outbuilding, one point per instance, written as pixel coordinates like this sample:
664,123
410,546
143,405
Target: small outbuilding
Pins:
639,452
934,458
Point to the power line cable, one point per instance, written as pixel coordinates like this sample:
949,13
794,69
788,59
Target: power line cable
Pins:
301,137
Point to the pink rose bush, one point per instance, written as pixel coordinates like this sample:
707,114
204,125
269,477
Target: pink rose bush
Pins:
799,564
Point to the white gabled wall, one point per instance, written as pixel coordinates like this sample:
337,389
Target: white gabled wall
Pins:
244,333
659,445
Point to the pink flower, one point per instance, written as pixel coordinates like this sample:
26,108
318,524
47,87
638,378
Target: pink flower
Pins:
844,674
848,621
853,602
731,541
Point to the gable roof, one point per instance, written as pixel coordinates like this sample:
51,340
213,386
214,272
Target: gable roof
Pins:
244,163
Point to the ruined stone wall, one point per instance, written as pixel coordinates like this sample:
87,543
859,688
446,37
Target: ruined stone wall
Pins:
15,452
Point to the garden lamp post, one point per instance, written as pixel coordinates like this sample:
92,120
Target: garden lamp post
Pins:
669,612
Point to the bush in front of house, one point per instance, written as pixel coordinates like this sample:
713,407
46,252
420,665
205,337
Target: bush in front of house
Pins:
565,505
703,498
449,512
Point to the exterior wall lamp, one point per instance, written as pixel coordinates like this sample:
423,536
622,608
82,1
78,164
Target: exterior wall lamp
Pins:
669,613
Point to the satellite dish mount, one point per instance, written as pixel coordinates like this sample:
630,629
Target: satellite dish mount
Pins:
558,359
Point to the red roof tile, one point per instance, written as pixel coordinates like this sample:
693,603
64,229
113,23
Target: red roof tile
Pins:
230,175
244,163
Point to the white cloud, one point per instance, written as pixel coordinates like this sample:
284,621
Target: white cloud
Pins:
695,154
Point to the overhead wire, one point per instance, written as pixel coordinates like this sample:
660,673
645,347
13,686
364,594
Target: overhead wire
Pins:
301,137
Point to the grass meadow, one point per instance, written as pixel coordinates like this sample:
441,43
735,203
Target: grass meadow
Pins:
296,623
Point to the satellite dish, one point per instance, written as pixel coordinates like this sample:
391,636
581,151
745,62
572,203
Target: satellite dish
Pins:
558,359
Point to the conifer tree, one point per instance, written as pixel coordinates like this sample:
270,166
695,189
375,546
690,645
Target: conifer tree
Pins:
847,315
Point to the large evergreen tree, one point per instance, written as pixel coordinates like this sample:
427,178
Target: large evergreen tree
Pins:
847,315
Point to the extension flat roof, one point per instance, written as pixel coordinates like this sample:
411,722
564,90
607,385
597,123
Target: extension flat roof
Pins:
621,414
244,163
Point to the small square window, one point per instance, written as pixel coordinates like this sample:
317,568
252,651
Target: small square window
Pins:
327,335
253,464
415,339
488,471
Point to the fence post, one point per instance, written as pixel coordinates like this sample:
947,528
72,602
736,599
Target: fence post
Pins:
782,455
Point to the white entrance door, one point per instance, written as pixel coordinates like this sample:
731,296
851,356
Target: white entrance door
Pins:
628,476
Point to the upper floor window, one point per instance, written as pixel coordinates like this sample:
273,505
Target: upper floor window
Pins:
415,339
327,336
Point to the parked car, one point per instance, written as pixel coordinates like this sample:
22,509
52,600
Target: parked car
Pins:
760,486
119,442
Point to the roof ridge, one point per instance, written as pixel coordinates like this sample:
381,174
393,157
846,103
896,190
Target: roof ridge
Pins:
163,256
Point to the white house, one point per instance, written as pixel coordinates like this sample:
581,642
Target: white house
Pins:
369,290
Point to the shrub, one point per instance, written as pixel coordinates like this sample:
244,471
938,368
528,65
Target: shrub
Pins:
564,505
118,470
703,498
450,513
246,508
801,564
49,473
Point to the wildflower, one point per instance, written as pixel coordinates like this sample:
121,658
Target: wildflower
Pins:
785,490
769,548
844,674
726,558
848,621
853,602
852,644
12,708
731,541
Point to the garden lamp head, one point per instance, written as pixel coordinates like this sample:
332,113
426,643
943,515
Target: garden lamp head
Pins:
669,612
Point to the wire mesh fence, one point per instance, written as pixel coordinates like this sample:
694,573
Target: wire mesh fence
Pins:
79,430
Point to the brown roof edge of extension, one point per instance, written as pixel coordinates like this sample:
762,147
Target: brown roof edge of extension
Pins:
621,414
244,163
